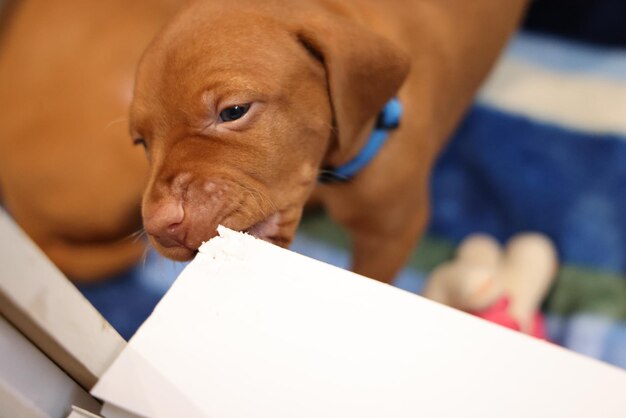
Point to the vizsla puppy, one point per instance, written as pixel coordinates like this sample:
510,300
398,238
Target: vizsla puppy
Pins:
68,173
241,105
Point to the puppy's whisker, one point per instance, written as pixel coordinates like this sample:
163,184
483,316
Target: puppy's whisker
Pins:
139,235
257,195
138,232
144,257
256,201
268,200
249,212
115,121
133,237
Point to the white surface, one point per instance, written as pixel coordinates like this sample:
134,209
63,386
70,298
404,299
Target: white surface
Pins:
251,330
81,413
112,411
44,306
582,102
30,384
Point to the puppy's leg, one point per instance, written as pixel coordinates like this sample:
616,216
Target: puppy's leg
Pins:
384,225
382,252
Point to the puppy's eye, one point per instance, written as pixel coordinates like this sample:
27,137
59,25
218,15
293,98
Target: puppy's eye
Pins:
140,141
233,112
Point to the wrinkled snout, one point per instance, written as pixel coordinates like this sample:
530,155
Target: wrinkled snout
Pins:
179,216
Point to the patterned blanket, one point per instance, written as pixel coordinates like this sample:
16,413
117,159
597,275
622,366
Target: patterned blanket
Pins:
543,149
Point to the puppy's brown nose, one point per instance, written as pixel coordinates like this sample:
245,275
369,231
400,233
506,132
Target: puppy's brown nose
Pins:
165,224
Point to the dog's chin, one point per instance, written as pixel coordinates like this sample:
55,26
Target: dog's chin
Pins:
176,253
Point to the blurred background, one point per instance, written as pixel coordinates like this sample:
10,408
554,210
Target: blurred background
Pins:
542,149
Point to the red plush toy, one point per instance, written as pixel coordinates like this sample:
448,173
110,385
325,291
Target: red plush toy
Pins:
503,286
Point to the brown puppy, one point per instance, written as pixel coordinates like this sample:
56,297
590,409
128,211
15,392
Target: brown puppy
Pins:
240,105
68,173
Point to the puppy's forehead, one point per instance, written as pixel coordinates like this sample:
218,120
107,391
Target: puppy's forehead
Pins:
225,56
223,48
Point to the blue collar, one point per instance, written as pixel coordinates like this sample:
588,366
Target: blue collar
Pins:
388,120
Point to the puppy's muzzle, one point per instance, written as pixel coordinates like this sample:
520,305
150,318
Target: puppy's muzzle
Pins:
182,219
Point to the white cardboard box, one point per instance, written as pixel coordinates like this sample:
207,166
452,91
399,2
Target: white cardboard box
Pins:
54,345
252,330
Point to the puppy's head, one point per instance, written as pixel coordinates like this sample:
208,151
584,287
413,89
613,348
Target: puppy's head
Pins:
238,109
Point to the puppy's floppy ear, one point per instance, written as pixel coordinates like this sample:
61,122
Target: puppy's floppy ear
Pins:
364,70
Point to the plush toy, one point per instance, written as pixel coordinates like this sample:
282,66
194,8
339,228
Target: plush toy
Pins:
505,286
